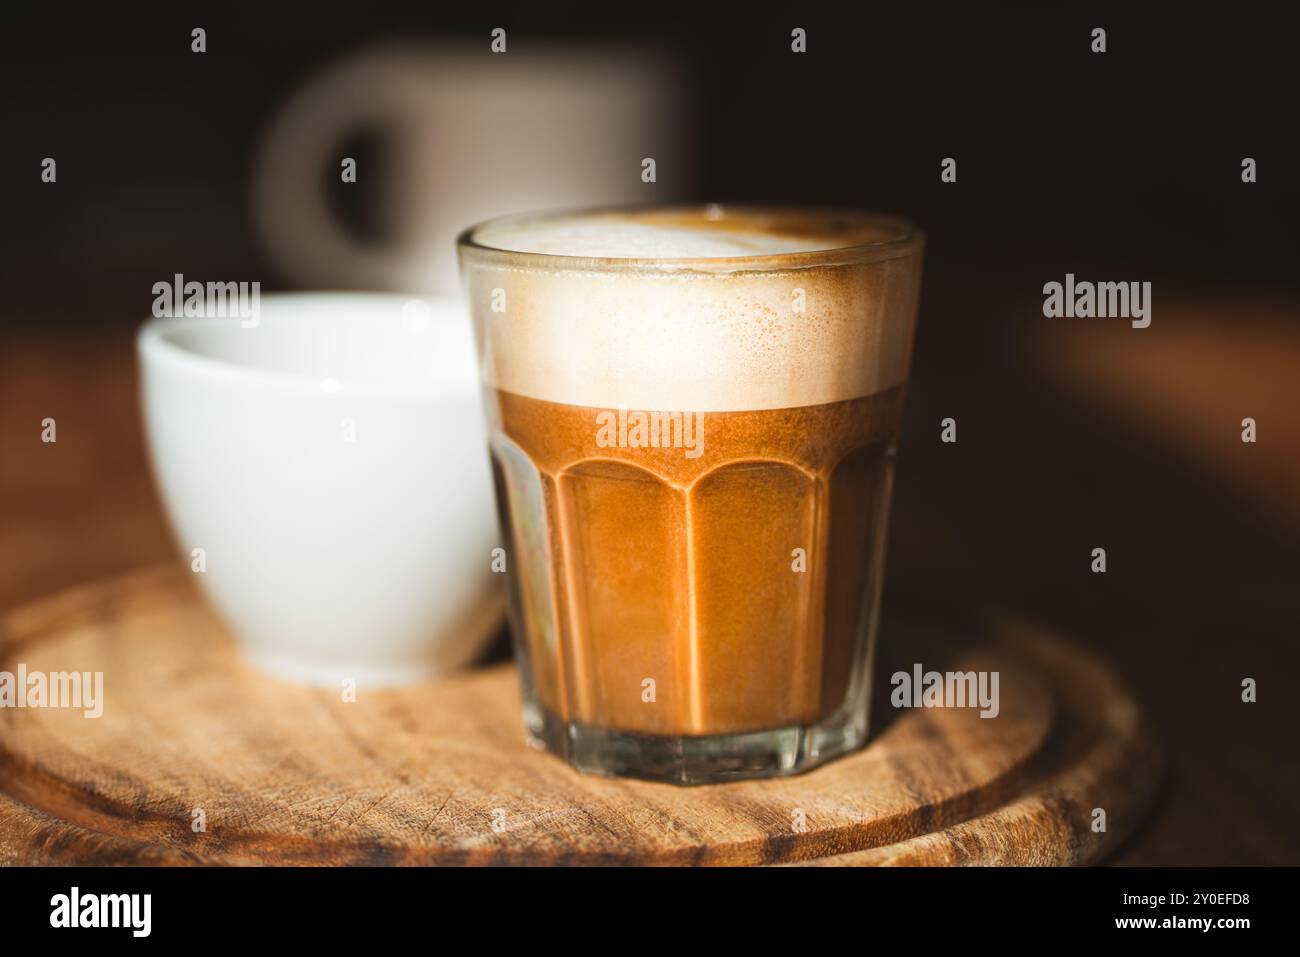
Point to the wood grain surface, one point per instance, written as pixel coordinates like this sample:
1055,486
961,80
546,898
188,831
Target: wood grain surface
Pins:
440,773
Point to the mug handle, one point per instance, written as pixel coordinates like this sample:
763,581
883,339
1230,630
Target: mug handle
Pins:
289,209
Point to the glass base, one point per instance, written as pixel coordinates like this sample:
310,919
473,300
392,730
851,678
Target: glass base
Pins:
708,759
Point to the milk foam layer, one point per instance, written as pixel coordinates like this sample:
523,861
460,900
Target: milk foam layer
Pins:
686,340
619,239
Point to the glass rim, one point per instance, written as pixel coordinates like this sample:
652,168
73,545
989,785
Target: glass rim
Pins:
901,238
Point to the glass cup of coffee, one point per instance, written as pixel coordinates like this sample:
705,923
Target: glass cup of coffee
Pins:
693,414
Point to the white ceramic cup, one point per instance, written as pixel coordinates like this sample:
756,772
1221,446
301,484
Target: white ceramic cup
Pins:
470,135
330,460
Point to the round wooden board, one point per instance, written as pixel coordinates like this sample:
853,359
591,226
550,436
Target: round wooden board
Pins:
440,773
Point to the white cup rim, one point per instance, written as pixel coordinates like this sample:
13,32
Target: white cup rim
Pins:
156,347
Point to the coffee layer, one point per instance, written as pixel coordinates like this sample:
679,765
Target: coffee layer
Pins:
634,563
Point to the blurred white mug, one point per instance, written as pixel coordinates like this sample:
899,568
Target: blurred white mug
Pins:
477,134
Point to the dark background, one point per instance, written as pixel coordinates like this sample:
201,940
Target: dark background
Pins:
1073,434
1122,161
